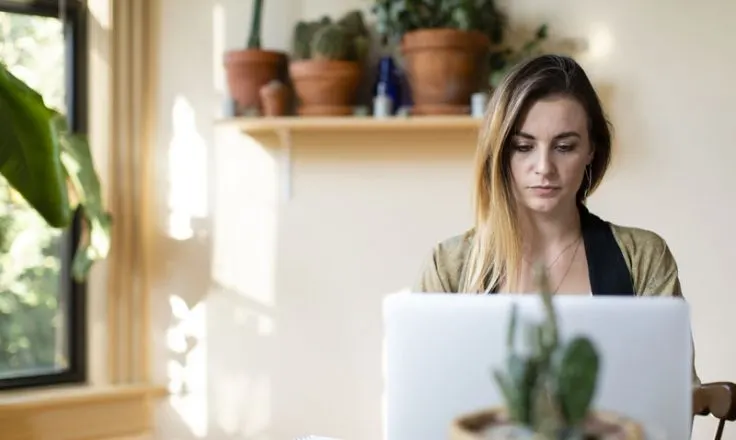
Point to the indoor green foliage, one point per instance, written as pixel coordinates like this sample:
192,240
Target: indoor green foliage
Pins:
549,389
396,17
30,151
42,159
501,61
254,37
346,39
29,285
331,42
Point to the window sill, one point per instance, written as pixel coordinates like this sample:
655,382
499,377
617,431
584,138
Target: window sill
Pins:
70,413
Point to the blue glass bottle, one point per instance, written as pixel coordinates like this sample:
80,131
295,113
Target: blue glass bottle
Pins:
388,81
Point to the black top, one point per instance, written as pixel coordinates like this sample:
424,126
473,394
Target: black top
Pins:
607,268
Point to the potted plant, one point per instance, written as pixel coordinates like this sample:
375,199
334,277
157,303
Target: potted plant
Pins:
250,69
444,45
327,64
548,391
51,168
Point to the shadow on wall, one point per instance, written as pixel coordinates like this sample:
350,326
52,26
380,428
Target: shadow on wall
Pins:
273,305
266,312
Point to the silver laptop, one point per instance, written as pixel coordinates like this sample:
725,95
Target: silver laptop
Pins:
441,350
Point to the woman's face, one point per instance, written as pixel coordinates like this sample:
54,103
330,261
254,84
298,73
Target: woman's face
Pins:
549,154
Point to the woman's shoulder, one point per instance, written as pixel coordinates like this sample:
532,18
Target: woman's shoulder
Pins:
649,258
637,239
455,246
443,270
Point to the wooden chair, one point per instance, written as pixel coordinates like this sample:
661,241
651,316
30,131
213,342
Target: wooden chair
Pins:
718,399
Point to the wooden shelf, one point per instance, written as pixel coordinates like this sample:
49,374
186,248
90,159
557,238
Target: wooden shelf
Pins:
357,133
294,124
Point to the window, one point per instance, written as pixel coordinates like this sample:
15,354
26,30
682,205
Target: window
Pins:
42,311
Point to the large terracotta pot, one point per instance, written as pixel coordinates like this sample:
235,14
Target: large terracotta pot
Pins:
444,68
249,70
601,425
325,87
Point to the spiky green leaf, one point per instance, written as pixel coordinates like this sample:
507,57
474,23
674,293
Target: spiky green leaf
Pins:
577,379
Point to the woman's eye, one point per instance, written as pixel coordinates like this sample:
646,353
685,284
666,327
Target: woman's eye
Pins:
565,147
523,148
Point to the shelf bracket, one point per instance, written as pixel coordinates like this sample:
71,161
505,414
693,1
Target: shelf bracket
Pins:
284,135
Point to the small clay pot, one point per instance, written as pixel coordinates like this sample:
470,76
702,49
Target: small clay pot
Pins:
601,425
274,99
325,87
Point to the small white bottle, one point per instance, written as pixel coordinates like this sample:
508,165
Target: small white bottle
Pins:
478,104
382,103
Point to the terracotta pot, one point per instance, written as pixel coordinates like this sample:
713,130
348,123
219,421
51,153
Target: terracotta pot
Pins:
325,87
602,425
444,68
249,70
275,99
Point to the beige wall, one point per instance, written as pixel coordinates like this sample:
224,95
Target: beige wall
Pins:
233,299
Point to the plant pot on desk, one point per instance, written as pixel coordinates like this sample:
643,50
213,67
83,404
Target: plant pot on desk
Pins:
480,426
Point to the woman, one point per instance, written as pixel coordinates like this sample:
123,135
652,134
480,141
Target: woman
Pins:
544,148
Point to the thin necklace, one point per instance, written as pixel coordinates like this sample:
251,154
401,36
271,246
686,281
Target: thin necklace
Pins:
569,266
548,267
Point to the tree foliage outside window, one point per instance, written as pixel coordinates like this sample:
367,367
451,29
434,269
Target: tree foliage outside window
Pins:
33,296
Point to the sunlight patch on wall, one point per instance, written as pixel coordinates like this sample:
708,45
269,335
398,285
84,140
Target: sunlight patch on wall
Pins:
245,218
187,162
600,43
100,12
187,369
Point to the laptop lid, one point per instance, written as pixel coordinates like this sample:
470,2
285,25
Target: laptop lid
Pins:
441,350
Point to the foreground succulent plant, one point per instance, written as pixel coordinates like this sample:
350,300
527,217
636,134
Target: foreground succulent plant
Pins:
549,388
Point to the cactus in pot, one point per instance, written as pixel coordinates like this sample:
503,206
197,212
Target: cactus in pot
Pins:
327,63
251,68
303,34
331,42
550,389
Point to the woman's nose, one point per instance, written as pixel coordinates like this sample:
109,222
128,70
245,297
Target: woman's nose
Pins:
543,163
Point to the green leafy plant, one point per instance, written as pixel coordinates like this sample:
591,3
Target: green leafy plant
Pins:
549,390
51,168
501,61
394,18
346,39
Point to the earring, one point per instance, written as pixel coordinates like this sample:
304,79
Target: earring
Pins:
589,177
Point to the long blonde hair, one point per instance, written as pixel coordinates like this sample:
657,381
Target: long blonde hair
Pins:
495,251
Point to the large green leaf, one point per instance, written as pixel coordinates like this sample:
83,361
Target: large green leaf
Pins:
38,155
80,170
29,150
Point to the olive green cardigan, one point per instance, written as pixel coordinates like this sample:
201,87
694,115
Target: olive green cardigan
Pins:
650,264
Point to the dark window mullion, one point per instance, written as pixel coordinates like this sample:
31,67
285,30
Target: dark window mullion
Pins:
76,62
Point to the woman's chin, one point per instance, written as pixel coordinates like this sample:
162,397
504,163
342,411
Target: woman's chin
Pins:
544,206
